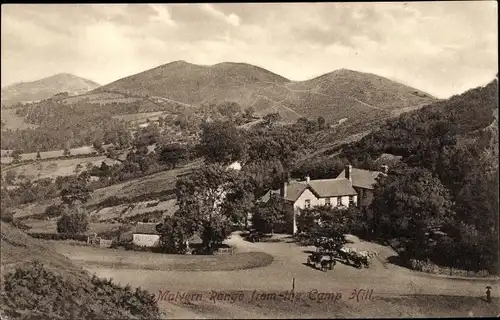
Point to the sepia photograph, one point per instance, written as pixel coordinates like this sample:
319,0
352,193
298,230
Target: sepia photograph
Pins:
308,160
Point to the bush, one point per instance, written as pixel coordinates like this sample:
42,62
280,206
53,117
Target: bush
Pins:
73,223
58,236
36,292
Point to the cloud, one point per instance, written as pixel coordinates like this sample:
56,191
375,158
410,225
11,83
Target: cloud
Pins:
231,19
440,47
163,15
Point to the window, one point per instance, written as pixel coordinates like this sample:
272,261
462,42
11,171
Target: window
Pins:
339,201
327,201
351,200
308,204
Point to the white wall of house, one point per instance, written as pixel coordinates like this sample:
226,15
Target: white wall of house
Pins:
308,195
146,240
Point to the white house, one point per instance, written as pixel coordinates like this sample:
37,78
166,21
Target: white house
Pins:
298,195
363,181
145,235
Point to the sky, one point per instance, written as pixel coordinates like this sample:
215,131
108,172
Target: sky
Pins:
443,48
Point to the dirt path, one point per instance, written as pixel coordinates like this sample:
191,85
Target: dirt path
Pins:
386,280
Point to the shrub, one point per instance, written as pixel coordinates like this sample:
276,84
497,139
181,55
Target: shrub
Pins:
73,223
36,292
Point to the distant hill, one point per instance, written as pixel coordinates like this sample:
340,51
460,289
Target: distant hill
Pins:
336,95
46,88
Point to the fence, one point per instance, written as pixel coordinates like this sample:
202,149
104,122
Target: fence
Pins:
225,251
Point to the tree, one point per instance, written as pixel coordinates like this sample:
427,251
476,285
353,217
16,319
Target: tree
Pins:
271,119
75,191
97,144
174,233
38,156
16,154
173,154
249,113
269,215
201,196
222,142
54,211
321,123
407,204
229,109
73,223
10,176
66,152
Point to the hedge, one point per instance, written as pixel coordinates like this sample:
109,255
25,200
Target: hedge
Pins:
58,236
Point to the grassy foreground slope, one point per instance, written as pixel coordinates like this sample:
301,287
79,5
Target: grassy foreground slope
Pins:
37,282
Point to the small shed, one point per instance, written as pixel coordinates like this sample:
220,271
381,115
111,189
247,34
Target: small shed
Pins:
146,235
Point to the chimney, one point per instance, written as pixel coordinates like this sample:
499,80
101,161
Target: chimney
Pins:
385,169
348,172
308,179
283,189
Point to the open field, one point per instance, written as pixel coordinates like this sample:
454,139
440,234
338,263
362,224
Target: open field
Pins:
130,210
139,116
13,121
6,158
50,226
119,258
396,291
159,183
155,183
55,168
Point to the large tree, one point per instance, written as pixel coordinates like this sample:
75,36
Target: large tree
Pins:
408,204
174,234
75,191
222,142
173,154
201,197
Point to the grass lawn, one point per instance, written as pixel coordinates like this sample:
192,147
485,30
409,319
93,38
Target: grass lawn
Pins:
122,259
55,168
50,226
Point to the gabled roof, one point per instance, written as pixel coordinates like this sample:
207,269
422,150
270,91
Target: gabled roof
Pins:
146,228
362,178
321,188
332,187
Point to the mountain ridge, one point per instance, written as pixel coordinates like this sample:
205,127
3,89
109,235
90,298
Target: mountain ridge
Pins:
342,93
46,87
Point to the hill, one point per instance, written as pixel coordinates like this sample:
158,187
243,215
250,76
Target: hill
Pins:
45,287
336,95
46,88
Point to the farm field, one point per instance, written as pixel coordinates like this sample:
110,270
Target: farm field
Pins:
158,183
139,116
50,226
396,291
6,158
13,121
130,210
55,168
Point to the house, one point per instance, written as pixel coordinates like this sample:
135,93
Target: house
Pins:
145,235
363,181
297,195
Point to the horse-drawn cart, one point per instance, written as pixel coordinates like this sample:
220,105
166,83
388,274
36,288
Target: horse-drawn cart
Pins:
320,261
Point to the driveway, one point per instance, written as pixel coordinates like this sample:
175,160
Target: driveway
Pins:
289,258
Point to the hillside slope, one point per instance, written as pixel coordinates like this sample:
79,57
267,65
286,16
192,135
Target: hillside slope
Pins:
46,88
45,283
336,95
